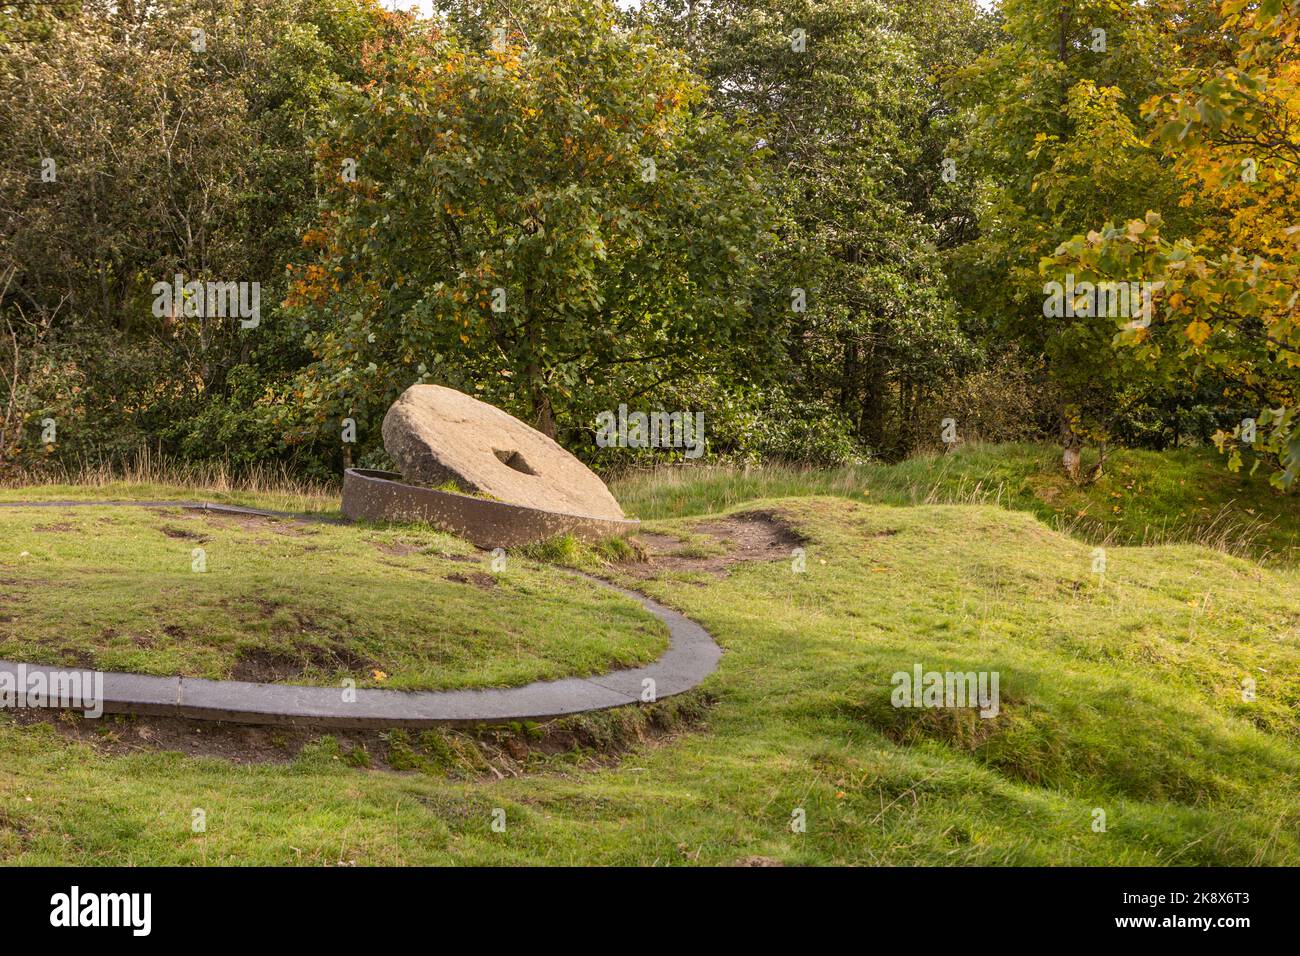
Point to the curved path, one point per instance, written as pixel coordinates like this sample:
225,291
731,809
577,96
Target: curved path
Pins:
691,656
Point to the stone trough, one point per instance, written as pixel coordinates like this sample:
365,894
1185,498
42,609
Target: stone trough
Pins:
383,496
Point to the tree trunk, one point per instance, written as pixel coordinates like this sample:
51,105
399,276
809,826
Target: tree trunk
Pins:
1099,468
543,414
1073,449
538,398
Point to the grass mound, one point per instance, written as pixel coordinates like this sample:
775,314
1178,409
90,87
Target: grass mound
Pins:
1143,497
1094,741
167,591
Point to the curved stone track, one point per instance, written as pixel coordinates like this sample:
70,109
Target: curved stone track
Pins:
691,656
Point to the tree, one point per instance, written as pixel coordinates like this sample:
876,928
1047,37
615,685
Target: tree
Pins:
543,212
1055,130
141,141
1230,305
854,125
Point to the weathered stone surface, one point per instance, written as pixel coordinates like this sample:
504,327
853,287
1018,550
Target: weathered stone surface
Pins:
383,496
438,434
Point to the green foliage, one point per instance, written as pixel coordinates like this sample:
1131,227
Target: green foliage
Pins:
1246,305
546,230
854,127
197,165
1054,128
783,425
737,208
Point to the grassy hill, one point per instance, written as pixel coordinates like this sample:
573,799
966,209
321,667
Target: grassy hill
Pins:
1142,497
1120,699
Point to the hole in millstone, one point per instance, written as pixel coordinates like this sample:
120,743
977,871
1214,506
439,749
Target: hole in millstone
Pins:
512,459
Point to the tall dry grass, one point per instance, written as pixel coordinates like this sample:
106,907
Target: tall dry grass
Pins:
151,472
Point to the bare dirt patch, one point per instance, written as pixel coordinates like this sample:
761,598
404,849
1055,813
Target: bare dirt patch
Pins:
262,666
396,548
479,579
658,544
870,528
750,536
182,533
76,657
282,526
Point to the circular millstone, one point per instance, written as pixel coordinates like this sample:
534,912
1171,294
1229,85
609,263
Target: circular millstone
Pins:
438,434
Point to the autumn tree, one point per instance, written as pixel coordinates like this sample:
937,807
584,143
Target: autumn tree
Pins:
535,209
1231,129
1056,135
142,140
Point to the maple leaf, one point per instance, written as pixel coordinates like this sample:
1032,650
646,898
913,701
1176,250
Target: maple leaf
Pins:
1198,332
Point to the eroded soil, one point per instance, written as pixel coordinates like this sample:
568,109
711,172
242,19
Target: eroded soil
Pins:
749,536
576,743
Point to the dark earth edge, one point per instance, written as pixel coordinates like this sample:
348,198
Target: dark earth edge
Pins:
691,656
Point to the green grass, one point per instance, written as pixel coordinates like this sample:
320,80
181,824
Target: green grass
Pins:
116,589
1142,498
1120,693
